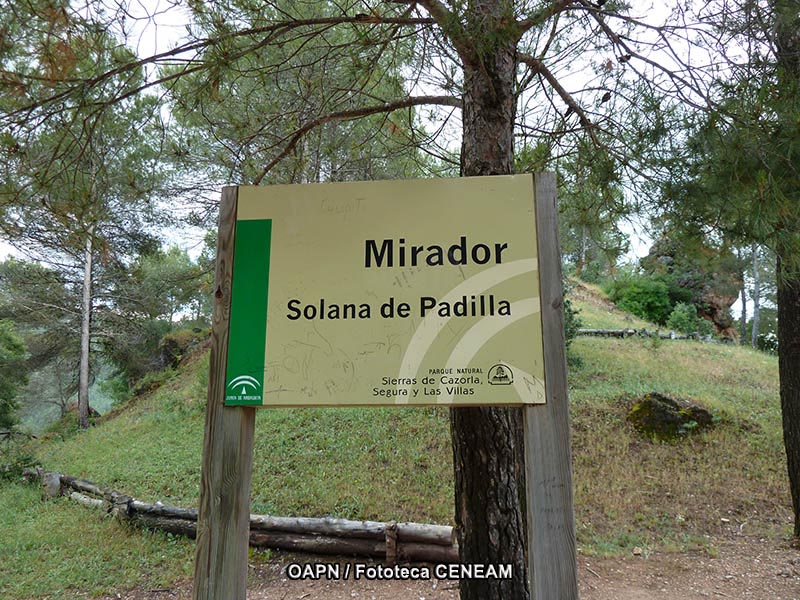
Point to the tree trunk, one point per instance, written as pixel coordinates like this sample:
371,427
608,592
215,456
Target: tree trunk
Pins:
787,48
86,317
789,369
488,452
743,292
581,253
756,297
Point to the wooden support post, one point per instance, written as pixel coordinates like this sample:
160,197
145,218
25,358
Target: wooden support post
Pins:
220,568
552,560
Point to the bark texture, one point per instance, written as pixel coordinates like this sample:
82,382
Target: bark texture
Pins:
489,108
743,298
787,48
86,319
488,452
789,369
756,297
489,488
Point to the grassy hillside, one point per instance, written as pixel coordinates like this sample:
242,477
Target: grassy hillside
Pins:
396,464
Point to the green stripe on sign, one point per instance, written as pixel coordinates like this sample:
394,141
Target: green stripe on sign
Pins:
248,319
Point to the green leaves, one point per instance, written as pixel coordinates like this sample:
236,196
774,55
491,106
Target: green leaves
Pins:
12,373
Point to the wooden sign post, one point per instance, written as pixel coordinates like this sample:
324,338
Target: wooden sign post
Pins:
450,276
223,523
552,558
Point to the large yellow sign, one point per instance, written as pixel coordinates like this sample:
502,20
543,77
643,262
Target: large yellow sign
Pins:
388,292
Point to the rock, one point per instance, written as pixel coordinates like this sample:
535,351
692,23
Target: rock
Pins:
708,276
51,485
175,346
73,408
667,418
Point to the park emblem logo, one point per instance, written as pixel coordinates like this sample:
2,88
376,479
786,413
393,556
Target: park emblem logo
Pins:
247,387
501,375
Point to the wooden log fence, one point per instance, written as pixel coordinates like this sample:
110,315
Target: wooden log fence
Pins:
394,542
626,333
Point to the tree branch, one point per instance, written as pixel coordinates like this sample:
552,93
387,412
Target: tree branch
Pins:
451,27
348,115
274,29
544,14
538,66
682,82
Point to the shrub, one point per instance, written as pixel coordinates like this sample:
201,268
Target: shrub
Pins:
572,323
704,327
684,319
645,297
768,342
14,457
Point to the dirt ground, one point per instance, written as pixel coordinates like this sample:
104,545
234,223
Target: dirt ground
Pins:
744,568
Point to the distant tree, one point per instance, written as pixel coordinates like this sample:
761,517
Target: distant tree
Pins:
45,307
591,206
144,301
160,285
740,170
77,189
12,373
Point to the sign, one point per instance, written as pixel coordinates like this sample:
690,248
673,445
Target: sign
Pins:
385,293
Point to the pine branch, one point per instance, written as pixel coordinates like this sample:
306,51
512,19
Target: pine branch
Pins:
544,15
274,31
538,67
348,115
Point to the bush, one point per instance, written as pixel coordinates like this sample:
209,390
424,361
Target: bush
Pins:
645,297
704,327
684,320
768,342
14,457
572,323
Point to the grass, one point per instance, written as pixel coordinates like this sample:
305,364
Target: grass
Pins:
599,313
52,550
396,464
627,485
309,462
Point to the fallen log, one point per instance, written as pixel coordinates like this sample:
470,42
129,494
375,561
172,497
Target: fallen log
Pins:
341,546
172,525
428,553
624,333
374,530
88,501
162,510
393,541
318,544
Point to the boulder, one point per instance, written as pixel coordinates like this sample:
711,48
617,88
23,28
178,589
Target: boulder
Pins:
707,275
667,418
